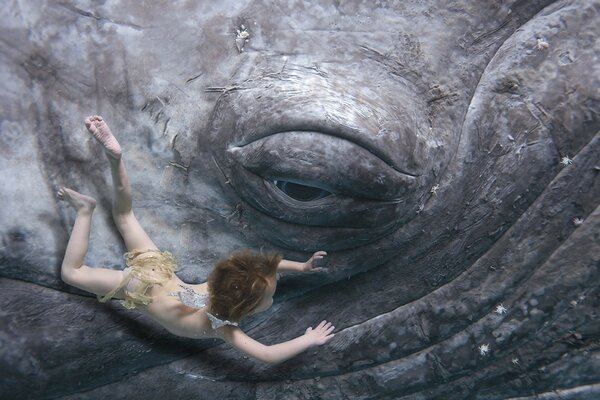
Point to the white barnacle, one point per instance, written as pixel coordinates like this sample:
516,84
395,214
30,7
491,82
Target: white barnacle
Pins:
515,361
243,34
566,161
241,38
434,189
484,349
577,221
500,309
420,209
541,44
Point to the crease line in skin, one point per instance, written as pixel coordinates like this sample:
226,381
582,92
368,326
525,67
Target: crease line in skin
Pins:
515,32
326,132
88,14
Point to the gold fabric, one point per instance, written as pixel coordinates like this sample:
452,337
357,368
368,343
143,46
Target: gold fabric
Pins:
147,268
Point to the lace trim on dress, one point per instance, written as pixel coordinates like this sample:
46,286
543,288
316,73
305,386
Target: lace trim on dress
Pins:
190,297
217,323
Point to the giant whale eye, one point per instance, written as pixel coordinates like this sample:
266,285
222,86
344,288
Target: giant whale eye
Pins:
319,162
316,179
301,192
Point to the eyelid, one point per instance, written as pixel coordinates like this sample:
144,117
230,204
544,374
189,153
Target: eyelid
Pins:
310,100
312,158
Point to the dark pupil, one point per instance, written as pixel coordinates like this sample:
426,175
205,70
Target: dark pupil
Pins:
301,192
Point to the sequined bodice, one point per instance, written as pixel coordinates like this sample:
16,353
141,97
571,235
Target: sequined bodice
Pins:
191,298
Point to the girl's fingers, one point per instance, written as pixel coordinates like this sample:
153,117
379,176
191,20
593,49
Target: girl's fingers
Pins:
327,328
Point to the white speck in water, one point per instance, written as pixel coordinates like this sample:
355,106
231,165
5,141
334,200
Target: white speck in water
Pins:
566,161
484,349
534,302
500,309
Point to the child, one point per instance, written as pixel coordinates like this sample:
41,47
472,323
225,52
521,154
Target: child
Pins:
240,285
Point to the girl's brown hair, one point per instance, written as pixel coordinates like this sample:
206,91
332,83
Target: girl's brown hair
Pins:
237,283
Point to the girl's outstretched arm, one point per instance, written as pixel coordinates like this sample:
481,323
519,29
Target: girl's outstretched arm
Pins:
294,266
280,352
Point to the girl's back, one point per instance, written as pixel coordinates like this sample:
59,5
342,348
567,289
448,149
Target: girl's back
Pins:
176,317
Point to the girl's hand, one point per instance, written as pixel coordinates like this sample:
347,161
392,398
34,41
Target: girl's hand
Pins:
321,334
310,265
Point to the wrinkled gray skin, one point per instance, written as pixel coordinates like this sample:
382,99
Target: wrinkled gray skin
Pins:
434,132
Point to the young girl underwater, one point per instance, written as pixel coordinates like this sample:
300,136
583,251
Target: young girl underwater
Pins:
239,285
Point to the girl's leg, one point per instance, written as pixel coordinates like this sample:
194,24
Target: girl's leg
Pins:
95,280
132,232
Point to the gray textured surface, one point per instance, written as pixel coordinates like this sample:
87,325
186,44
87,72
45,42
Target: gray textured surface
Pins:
375,102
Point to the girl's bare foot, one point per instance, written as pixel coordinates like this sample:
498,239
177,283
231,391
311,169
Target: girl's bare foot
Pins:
80,202
102,133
